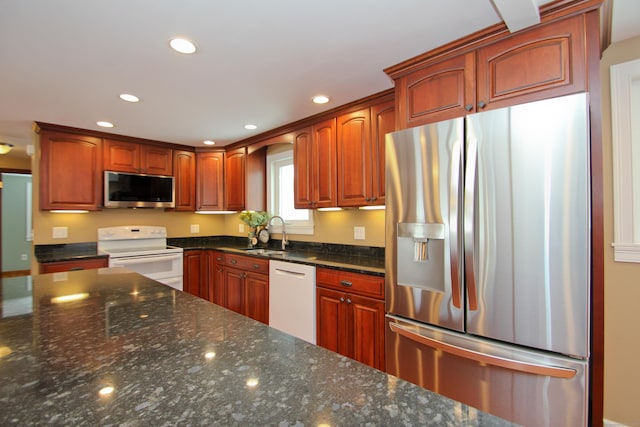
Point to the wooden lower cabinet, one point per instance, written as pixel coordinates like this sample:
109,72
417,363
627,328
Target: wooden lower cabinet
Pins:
194,273
241,284
348,322
85,264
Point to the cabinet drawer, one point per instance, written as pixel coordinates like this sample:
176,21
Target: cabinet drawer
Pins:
247,263
356,283
86,264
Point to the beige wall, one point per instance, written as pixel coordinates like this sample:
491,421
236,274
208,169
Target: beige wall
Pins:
12,161
622,283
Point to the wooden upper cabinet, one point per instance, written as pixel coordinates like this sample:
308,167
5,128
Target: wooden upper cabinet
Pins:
70,171
383,121
544,62
438,91
210,181
185,180
314,159
302,173
354,158
361,154
234,179
124,156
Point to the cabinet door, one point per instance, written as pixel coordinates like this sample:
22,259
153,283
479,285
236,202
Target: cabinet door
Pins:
233,289
302,169
256,296
354,157
60,266
70,171
121,156
330,320
210,181
217,293
544,62
194,281
185,180
366,330
383,121
439,91
234,179
324,164
156,160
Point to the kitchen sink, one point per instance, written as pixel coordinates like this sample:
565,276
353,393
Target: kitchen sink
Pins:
267,252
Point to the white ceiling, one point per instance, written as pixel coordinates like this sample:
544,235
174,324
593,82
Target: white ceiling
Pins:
66,61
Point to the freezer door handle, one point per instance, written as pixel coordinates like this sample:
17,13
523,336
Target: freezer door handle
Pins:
515,365
454,193
469,217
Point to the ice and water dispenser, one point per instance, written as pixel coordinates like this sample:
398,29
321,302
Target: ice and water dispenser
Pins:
421,252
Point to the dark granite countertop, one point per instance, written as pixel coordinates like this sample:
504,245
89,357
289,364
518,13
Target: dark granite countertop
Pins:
359,259
174,359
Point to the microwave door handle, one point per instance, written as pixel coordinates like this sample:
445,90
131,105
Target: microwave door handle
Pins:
469,216
146,259
454,198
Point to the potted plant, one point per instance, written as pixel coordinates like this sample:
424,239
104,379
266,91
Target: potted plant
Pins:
256,221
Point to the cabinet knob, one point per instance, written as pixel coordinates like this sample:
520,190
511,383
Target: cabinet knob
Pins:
341,299
348,300
481,104
468,107
233,261
256,266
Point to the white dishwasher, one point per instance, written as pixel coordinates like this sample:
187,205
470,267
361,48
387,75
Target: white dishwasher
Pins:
292,299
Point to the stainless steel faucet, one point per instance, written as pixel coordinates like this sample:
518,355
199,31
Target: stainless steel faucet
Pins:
284,231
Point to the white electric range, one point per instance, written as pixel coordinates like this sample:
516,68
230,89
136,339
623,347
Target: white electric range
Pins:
143,249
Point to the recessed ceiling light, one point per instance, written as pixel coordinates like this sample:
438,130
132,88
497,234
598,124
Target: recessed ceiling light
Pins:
105,124
129,98
250,127
182,45
320,99
209,142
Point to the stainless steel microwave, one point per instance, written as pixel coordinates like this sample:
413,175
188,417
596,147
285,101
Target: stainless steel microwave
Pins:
133,190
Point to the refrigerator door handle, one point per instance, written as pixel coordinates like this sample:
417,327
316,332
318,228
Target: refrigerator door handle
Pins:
515,365
469,215
454,192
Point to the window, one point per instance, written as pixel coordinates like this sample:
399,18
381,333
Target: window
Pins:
280,192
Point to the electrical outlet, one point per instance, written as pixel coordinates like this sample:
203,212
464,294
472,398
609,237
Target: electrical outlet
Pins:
23,257
241,228
60,232
195,228
358,233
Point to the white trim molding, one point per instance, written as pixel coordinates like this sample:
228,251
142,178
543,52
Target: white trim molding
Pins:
625,82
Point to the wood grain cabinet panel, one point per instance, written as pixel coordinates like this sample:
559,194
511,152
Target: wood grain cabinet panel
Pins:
184,172
544,62
84,264
125,156
361,154
70,171
234,179
436,92
348,321
314,152
210,181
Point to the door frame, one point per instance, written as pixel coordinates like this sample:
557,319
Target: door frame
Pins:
15,171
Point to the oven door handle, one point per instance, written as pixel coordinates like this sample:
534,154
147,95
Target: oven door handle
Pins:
145,259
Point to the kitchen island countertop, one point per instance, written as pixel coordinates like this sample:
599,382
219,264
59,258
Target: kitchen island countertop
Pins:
174,359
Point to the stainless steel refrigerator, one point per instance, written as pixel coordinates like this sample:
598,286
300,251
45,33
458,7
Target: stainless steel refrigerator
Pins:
488,260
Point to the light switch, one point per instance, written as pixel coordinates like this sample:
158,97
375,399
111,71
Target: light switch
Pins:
195,228
358,233
60,232
241,228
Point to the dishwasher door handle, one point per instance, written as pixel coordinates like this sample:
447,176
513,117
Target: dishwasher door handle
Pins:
290,273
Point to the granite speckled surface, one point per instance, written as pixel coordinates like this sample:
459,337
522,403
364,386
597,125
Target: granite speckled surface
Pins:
174,359
359,259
